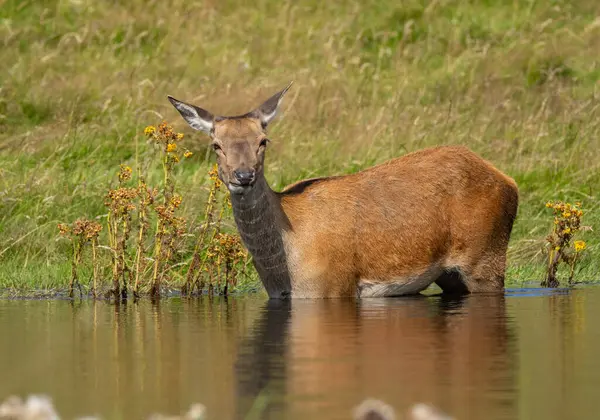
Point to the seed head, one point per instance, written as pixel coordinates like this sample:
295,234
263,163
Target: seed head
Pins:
124,173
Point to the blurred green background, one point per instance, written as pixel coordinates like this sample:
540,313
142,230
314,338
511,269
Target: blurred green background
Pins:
516,81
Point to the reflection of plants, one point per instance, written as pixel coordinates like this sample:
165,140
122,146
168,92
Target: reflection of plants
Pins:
561,247
149,219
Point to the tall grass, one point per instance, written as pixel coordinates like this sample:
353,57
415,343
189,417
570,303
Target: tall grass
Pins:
515,81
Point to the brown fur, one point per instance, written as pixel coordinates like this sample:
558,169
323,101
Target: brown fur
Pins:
442,205
437,215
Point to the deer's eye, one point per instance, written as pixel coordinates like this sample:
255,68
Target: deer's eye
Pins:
263,143
216,147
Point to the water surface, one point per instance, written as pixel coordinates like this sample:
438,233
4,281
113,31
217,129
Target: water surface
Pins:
528,354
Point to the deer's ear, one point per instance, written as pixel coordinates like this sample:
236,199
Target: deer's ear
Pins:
197,118
268,110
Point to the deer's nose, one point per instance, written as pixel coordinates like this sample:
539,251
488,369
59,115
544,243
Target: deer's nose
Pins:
244,176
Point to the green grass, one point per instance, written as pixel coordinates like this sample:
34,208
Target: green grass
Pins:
515,81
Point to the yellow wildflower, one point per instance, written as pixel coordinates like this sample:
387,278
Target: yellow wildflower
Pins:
179,136
567,214
148,131
176,201
567,231
548,204
187,154
579,246
175,158
557,248
171,147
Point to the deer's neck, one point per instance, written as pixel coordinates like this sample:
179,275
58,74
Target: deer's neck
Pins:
260,222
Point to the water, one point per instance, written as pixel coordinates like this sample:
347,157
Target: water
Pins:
531,354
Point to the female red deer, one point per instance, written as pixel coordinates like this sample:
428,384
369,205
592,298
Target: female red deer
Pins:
440,215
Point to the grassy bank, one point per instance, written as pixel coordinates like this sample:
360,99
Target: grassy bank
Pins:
515,81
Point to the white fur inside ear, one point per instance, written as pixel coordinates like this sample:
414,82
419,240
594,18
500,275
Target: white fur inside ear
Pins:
268,110
267,118
190,114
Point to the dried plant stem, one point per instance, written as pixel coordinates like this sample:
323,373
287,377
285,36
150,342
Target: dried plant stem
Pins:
79,233
140,250
161,228
199,245
94,266
75,265
168,187
123,269
218,273
572,267
170,248
552,269
215,232
155,291
112,240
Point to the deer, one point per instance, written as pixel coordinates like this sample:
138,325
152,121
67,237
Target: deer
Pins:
440,215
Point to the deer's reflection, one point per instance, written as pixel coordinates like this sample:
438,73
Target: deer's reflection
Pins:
328,355
261,366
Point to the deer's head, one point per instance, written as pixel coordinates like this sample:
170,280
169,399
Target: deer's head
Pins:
238,141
